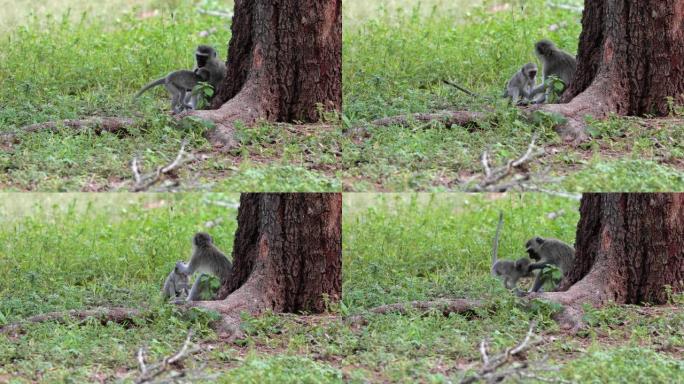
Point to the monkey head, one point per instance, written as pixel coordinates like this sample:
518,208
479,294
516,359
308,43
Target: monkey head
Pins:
201,239
522,265
203,54
532,247
530,70
544,48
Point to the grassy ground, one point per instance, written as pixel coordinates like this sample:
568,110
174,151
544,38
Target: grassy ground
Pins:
66,67
395,55
394,63
75,251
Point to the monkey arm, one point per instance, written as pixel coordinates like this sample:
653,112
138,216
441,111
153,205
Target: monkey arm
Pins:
541,265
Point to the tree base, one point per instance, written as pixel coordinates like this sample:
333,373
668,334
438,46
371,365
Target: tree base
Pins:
246,107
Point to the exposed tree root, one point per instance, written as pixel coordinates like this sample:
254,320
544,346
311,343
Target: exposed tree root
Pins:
244,107
117,315
253,297
596,101
593,289
96,124
448,118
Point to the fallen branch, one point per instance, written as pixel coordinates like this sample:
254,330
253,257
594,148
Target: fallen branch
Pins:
148,372
96,124
117,315
448,118
144,182
494,177
511,363
445,306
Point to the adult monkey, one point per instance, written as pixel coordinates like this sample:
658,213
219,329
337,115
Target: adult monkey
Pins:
555,62
548,251
207,61
206,258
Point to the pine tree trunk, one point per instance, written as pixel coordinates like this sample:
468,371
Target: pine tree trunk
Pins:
628,248
284,62
630,61
287,255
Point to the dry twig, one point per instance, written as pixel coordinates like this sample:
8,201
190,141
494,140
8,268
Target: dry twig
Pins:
494,177
144,181
148,373
512,363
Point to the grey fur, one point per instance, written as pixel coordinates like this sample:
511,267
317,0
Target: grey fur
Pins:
178,83
511,271
205,259
555,62
175,285
548,251
521,84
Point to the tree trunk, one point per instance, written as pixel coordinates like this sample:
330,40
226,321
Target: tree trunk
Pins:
284,60
628,248
287,256
630,60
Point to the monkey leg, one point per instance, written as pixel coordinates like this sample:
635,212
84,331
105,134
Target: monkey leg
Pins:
195,291
538,282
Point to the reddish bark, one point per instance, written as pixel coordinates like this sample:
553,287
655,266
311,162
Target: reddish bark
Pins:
284,60
287,256
629,247
630,60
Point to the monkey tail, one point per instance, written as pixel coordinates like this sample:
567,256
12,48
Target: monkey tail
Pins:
464,90
495,242
150,85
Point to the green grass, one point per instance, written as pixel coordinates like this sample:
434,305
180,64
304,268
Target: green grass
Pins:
395,60
89,62
83,64
70,251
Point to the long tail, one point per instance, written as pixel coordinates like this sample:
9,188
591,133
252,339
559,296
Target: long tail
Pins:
150,85
495,242
468,92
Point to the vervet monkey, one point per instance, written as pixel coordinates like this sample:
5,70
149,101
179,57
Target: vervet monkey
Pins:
511,271
548,251
178,83
175,285
206,259
207,61
521,84
555,62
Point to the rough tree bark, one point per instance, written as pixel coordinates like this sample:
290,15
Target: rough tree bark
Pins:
630,60
284,60
287,256
629,247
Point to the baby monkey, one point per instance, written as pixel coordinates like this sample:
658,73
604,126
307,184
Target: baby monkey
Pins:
175,285
206,259
521,84
511,271
178,84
